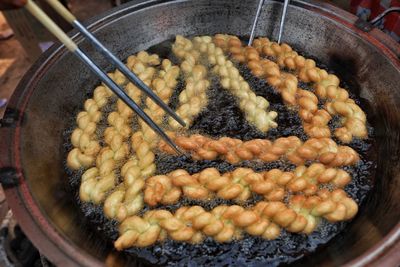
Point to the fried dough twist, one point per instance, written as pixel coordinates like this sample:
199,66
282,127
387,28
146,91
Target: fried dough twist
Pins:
142,65
99,180
334,206
240,183
83,138
307,179
194,97
324,150
254,107
315,121
163,86
127,200
191,224
263,68
146,139
225,223
326,87
121,119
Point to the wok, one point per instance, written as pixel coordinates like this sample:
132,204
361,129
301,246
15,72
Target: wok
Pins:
31,137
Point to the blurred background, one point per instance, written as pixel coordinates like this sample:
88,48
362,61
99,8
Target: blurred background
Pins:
23,39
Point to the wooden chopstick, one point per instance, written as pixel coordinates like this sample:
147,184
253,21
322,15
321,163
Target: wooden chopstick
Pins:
38,13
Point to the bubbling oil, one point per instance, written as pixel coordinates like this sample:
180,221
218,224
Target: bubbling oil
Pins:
222,117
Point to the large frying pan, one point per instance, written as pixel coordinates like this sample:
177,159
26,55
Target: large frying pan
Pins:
31,138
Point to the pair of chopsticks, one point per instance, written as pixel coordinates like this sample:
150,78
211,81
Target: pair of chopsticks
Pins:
38,13
281,25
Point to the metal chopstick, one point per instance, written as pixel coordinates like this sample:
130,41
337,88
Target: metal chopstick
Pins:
253,28
71,46
68,16
282,23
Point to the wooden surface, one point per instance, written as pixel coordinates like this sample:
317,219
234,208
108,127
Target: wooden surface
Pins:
13,59
13,64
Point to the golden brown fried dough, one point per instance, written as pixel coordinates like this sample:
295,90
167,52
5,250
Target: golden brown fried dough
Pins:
315,121
304,189
324,150
100,180
84,138
226,223
326,87
254,107
194,97
127,200
240,183
334,206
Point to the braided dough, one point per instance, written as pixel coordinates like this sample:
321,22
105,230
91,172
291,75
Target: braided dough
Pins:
295,200
127,200
194,97
315,121
326,87
239,184
98,181
83,138
225,223
324,150
254,107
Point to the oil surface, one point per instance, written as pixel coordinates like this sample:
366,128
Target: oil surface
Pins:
222,117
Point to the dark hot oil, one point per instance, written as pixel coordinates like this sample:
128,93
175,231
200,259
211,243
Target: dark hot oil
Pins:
222,117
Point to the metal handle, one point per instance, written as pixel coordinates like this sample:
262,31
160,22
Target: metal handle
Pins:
282,23
253,28
384,13
367,26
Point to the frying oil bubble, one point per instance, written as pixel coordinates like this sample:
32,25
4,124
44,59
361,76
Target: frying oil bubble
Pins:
222,117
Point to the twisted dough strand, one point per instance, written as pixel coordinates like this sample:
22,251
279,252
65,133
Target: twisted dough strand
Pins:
324,150
194,97
163,86
326,87
315,121
83,138
306,179
121,119
191,224
334,206
98,181
127,200
238,184
142,65
254,107
284,82
145,140
225,223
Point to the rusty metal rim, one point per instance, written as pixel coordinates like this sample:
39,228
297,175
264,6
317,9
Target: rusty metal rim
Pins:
58,247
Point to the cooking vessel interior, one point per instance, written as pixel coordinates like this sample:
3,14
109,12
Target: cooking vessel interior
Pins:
61,83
